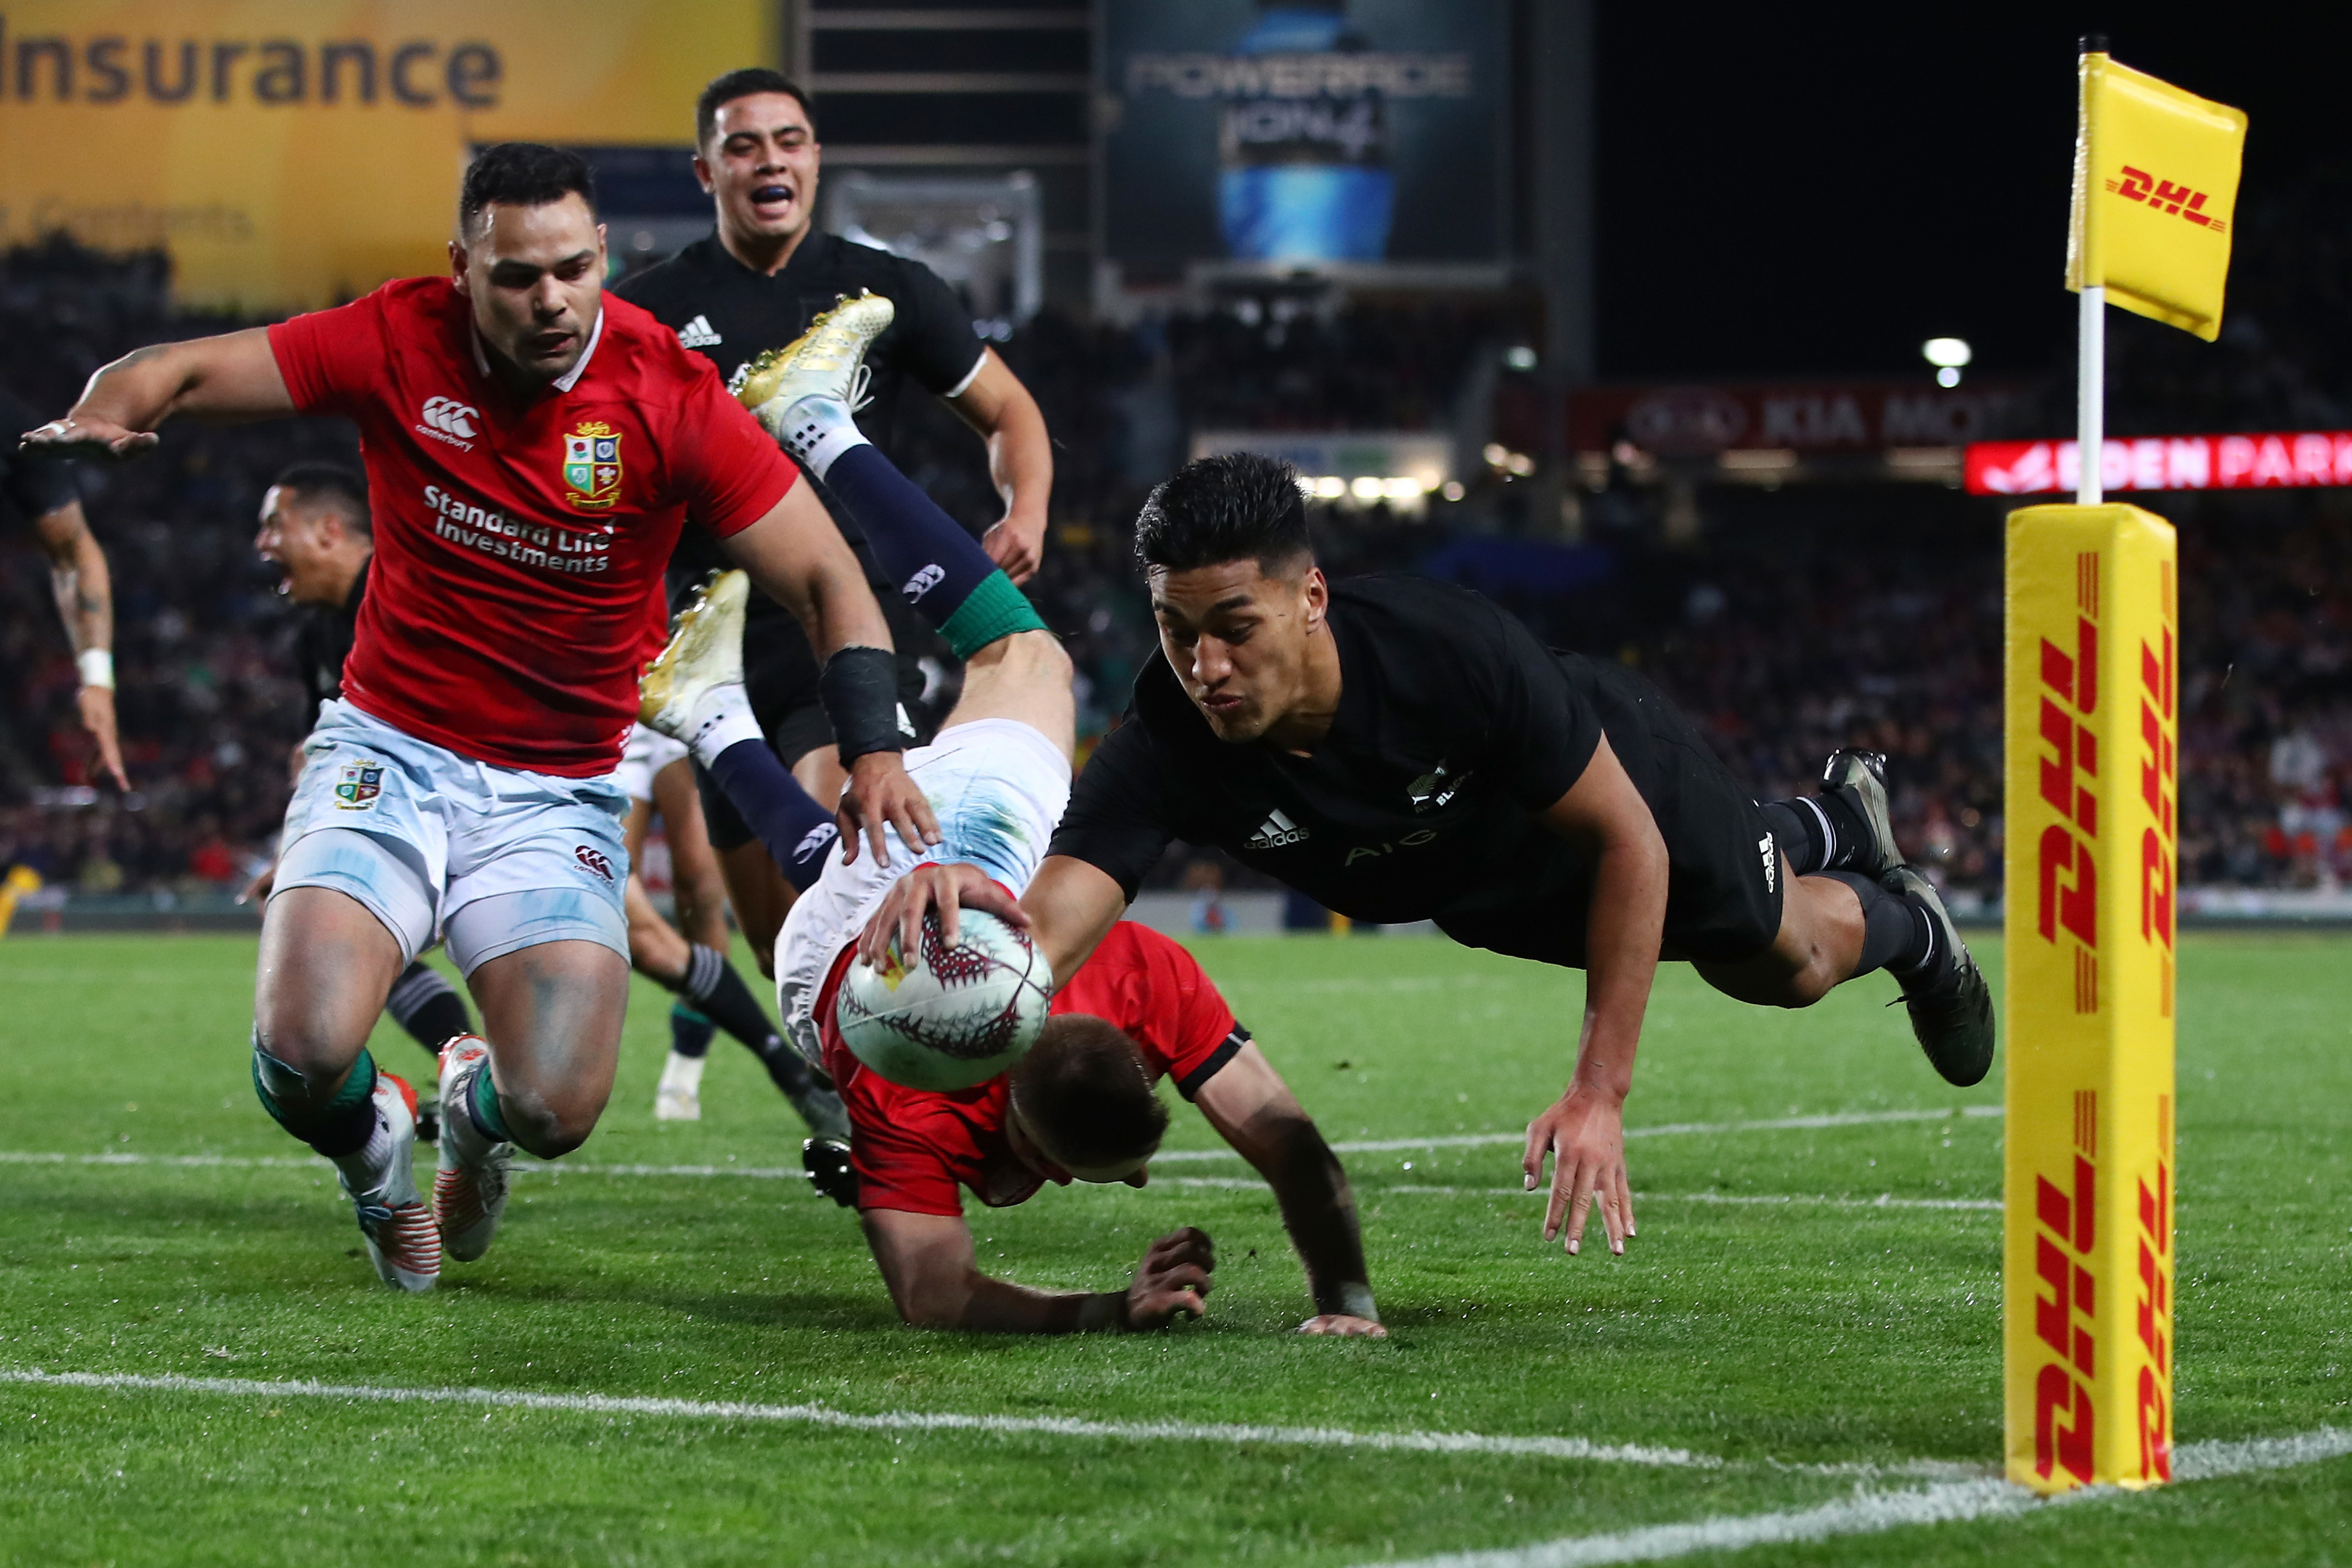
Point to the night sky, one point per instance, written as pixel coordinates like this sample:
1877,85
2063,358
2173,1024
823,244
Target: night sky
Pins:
1815,190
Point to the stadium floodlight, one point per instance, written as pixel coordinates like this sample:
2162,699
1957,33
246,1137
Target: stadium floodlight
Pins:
1949,356
1330,486
1518,356
1366,489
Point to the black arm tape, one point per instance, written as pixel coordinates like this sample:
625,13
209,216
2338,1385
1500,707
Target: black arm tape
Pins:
859,688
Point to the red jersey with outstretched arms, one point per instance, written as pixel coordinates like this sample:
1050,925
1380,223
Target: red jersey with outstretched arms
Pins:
912,1148
516,590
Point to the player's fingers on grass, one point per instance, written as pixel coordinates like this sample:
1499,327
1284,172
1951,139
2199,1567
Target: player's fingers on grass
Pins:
1575,1188
1625,1199
1539,1146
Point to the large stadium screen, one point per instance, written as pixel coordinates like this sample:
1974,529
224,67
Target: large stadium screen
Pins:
1349,136
290,153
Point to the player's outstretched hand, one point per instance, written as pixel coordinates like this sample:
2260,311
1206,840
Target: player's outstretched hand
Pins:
1017,547
89,437
1340,1326
943,889
1172,1278
1587,1130
97,704
880,794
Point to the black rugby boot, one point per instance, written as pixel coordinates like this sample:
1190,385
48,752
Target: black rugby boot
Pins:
1949,1002
1858,779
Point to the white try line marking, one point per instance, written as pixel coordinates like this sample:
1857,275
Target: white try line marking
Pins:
1868,1513
1166,1157
1820,1200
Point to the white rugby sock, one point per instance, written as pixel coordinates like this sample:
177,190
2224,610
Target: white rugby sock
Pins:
369,1167
724,718
814,430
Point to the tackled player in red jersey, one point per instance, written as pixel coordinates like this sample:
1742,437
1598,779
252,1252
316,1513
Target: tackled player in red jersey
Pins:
532,449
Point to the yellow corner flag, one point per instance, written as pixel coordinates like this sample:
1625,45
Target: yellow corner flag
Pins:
2156,187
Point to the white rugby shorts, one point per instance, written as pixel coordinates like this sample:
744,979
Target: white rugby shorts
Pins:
646,754
998,788
493,859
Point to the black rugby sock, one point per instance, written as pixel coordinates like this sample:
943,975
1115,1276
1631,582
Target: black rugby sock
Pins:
1897,934
1818,832
941,569
689,1031
714,987
797,832
426,1005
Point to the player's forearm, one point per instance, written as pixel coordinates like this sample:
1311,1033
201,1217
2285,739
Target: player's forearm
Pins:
1626,924
980,1303
79,578
1021,462
1319,1211
1071,906
232,376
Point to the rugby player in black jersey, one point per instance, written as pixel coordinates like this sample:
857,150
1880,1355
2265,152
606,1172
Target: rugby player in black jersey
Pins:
315,530
1403,749
756,283
41,489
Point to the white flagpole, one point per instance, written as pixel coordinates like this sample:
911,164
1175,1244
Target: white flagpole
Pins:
2090,395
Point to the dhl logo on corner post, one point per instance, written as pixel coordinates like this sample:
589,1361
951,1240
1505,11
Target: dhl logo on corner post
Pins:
2093,706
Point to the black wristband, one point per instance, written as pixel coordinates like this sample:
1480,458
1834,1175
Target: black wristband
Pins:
859,688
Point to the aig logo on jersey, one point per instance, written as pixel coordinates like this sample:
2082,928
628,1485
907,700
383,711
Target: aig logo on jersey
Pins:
592,466
360,787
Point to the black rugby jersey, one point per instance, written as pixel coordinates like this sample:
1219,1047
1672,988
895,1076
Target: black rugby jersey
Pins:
33,484
322,640
1455,729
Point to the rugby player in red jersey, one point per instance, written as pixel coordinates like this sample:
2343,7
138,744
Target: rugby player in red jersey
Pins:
532,450
1080,1104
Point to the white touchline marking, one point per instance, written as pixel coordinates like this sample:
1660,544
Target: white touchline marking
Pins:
1169,1156
1824,1200
949,1421
1665,1129
884,1421
1867,1513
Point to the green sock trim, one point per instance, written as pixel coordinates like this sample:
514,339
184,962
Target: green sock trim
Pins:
485,1107
994,609
681,1010
303,1119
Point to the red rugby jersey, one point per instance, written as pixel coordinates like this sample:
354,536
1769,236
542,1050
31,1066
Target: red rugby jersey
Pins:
516,590
912,1148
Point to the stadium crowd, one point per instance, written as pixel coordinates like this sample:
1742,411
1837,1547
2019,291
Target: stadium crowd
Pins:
1797,622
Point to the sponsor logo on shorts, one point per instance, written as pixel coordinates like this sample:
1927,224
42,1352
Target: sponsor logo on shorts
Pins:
446,419
592,466
1276,832
595,860
923,581
698,333
1771,853
360,786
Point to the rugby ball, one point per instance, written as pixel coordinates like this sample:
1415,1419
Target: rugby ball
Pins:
948,1017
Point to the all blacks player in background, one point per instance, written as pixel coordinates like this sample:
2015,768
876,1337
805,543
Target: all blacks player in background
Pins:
755,283
1400,749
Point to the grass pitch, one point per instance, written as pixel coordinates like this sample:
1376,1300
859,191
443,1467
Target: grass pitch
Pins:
1799,1355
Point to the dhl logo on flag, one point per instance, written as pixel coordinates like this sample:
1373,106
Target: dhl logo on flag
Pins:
2093,775
2155,184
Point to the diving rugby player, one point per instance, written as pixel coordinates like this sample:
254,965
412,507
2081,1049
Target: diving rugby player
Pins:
1402,750
532,450
760,278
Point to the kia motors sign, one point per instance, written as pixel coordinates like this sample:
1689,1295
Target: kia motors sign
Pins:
1844,417
2281,461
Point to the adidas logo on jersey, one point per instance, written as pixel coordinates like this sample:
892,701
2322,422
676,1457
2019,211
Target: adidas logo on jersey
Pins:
1770,851
698,333
446,419
1276,832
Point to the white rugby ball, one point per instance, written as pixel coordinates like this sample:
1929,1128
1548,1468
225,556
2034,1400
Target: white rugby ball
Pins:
949,1017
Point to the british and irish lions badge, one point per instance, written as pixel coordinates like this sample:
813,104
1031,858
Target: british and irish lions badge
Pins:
359,786
592,466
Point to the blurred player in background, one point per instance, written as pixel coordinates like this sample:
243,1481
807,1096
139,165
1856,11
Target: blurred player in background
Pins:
1399,749
532,450
315,530
762,277
689,958
1079,1105
41,487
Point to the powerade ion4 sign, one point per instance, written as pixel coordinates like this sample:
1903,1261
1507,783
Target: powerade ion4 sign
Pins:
291,152
1362,133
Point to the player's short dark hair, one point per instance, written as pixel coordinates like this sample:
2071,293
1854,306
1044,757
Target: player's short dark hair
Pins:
1237,507
725,90
344,490
522,174
1084,1092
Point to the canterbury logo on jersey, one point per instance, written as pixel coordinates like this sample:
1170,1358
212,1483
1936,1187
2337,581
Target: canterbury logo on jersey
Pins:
446,419
1276,832
698,333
